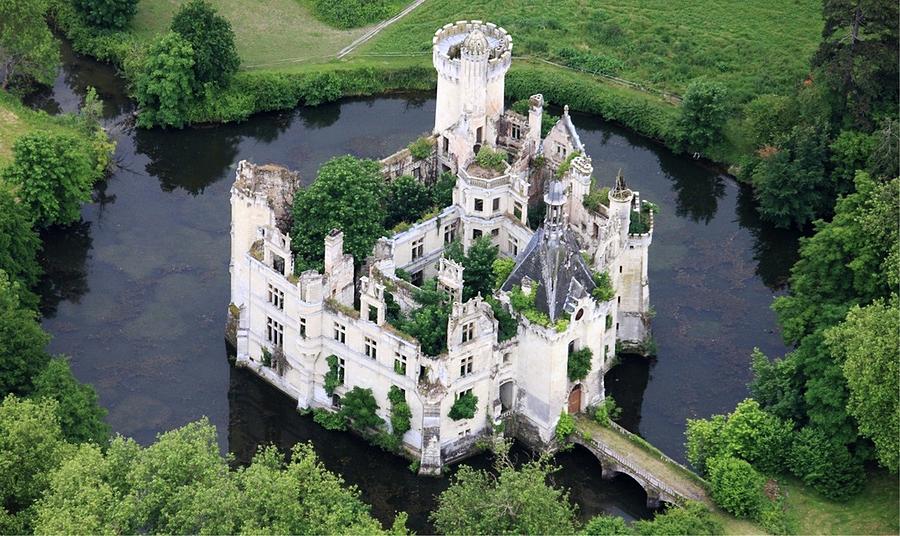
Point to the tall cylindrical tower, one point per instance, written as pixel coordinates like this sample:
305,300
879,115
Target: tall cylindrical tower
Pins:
620,199
471,59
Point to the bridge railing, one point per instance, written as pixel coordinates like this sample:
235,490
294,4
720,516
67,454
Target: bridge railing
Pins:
634,467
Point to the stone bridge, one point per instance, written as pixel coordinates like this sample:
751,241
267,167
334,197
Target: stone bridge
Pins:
620,452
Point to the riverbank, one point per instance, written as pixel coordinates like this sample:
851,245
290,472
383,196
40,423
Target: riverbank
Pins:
289,57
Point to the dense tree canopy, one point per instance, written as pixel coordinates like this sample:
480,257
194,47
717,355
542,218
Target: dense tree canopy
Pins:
478,276
80,415
736,486
108,14
164,82
212,40
19,242
407,199
22,342
347,194
867,343
28,49
703,113
54,174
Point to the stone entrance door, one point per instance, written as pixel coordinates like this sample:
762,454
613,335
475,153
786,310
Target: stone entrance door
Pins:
575,400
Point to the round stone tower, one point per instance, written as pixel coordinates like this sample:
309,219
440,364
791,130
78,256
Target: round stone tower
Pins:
620,199
471,58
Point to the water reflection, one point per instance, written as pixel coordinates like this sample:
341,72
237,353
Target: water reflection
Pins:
626,383
774,250
64,258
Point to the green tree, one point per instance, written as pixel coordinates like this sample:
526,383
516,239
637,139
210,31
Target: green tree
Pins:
507,325
164,82
80,415
360,407
28,49
400,412
501,268
31,445
348,195
22,342
407,199
428,323
693,518
54,174
736,486
442,191
825,464
704,441
703,113
778,386
464,407
604,525
478,276
866,343
107,14
858,56
790,181
19,243
212,40
506,500
850,152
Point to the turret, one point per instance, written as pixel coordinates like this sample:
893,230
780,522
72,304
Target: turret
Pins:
580,171
471,58
555,196
620,198
535,116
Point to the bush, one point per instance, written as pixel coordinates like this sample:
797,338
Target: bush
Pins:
442,191
107,14
564,427
591,62
421,147
736,486
579,364
491,159
330,420
604,290
606,411
210,35
693,518
604,525
400,412
597,197
407,199
464,407
350,13
507,325
825,464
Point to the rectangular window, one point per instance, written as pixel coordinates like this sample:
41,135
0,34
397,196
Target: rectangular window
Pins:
303,327
476,234
609,321
276,297
418,248
340,370
465,366
513,246
495,232
463,393
507,358
468,332
371,348
517,210
516,132
340,333
274,332
373,313
400,363
278,263
495,204
417,173
418,278
446,144
479,205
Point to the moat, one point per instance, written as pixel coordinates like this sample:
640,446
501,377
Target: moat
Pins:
136,294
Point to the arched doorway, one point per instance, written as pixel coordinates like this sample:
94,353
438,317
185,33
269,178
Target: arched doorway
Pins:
507,396
575,399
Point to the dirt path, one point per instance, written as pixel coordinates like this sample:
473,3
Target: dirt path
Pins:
364,38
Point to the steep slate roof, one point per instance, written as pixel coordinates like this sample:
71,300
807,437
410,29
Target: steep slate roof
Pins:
556,266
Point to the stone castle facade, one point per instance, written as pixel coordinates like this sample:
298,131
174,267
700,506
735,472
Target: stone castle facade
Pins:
285,326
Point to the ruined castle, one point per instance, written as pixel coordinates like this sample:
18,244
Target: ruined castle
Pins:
295,330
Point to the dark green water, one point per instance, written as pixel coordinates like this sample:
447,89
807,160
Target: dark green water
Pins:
136,293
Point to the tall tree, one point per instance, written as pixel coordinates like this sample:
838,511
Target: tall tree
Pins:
80,414
858,55
22,342
19,243
210,35
866,343
508,500
348,195
164,82
27,47
54,174
108,14
407,199
703,113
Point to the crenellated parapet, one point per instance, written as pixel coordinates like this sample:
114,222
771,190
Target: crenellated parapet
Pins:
448,50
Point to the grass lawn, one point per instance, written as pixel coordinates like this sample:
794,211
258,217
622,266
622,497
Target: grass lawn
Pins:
268,34
17,120
755,47
874,511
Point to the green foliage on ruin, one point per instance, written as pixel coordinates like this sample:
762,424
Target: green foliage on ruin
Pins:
400,412
348,194
564,427
501,269
407,200
597,197
604,290
428,322
333,377
464,407
525,305
488,158
579,364
641,221
566,164
421,148
330,420
606,411
361,409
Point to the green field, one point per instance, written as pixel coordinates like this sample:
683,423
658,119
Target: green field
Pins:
874,511
17,120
